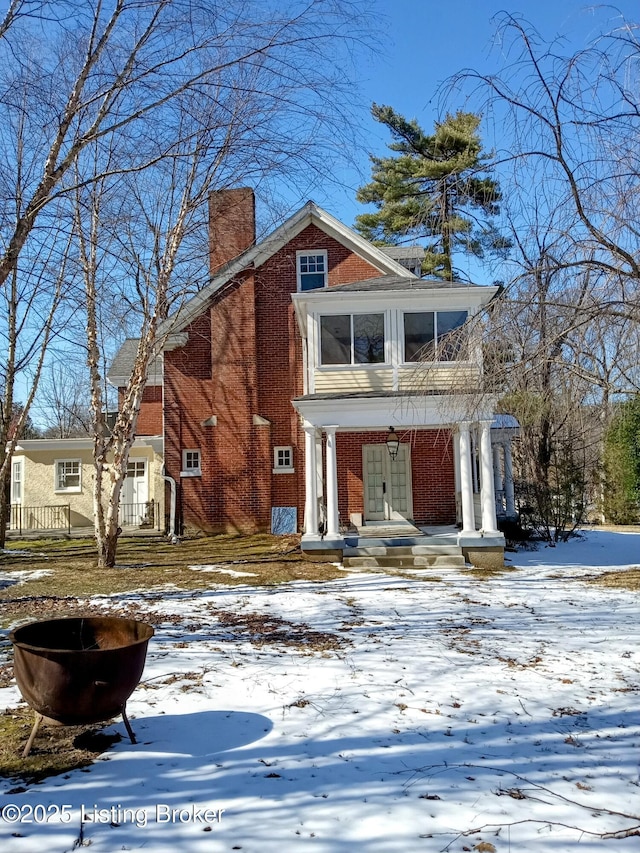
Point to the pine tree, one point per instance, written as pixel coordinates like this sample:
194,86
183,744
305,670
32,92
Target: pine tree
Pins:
435,187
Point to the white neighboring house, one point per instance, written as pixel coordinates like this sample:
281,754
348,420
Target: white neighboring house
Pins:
52,485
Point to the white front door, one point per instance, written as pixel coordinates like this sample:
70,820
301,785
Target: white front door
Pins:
135,493
387,483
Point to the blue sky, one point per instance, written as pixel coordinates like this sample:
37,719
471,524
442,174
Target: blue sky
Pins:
424,42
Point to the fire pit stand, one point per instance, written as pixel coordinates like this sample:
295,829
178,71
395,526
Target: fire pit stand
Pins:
79,670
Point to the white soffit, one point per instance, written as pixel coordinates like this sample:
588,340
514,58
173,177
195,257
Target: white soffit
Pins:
403,412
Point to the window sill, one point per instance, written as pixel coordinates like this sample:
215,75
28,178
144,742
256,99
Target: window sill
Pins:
283,470
191,473
366,366
436,361
76,490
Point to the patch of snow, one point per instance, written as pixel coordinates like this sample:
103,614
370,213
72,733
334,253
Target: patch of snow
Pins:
13,578
506,708
222,571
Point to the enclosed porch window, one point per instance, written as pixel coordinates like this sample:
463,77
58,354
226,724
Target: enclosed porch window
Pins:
352,339
434,335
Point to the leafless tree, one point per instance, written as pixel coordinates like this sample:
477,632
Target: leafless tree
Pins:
569,128
63,399
108,91
143,235
564,335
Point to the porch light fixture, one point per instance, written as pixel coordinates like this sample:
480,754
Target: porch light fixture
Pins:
393,443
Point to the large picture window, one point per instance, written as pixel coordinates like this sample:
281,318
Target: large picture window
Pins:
434,335
352,339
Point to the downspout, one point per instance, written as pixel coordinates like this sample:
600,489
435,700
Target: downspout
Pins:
172,510
172,483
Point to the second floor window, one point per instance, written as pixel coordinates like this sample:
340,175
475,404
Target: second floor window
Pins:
312,270
434,335
352,339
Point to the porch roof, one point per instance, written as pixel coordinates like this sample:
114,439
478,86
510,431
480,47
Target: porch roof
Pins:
403,282
369,411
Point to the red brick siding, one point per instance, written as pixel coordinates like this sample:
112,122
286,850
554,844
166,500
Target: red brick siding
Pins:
244,358
432,472
214,374
150,417
232,225
279,348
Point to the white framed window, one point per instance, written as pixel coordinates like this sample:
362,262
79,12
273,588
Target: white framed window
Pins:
68,475
311,269
191,464
352,339
283,460
434,335
17,478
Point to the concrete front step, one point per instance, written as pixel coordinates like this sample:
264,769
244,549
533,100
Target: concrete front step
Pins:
397,541
433,561
418,555
401,550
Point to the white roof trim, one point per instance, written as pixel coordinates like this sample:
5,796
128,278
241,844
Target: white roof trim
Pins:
261,252
68,444
377,413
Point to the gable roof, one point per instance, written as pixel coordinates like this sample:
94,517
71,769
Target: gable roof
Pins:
121,367
404,252
255,256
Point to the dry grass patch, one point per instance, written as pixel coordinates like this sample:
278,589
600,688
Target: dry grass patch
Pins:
56,749
263,630
143,564
488,573
625,579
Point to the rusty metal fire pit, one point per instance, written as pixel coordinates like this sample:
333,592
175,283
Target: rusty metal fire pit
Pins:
79,670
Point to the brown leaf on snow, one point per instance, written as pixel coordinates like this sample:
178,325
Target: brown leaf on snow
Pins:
514,793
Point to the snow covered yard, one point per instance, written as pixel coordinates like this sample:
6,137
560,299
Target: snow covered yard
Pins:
373,712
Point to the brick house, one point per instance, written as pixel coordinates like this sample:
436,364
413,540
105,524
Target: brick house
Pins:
290,376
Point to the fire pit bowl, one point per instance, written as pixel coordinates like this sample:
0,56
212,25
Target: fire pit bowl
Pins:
79,670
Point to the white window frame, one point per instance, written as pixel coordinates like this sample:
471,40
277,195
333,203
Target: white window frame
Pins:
436,332
57,481
188,468
279,466
304,253
354,365
17,465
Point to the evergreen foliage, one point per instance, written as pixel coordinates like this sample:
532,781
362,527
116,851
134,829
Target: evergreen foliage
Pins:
435,187
622,465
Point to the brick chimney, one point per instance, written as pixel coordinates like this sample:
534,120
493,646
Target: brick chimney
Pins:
232,225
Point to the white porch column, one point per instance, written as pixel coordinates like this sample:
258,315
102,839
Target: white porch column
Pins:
332,530
310,480
509,492
466,479
498,485
487,494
